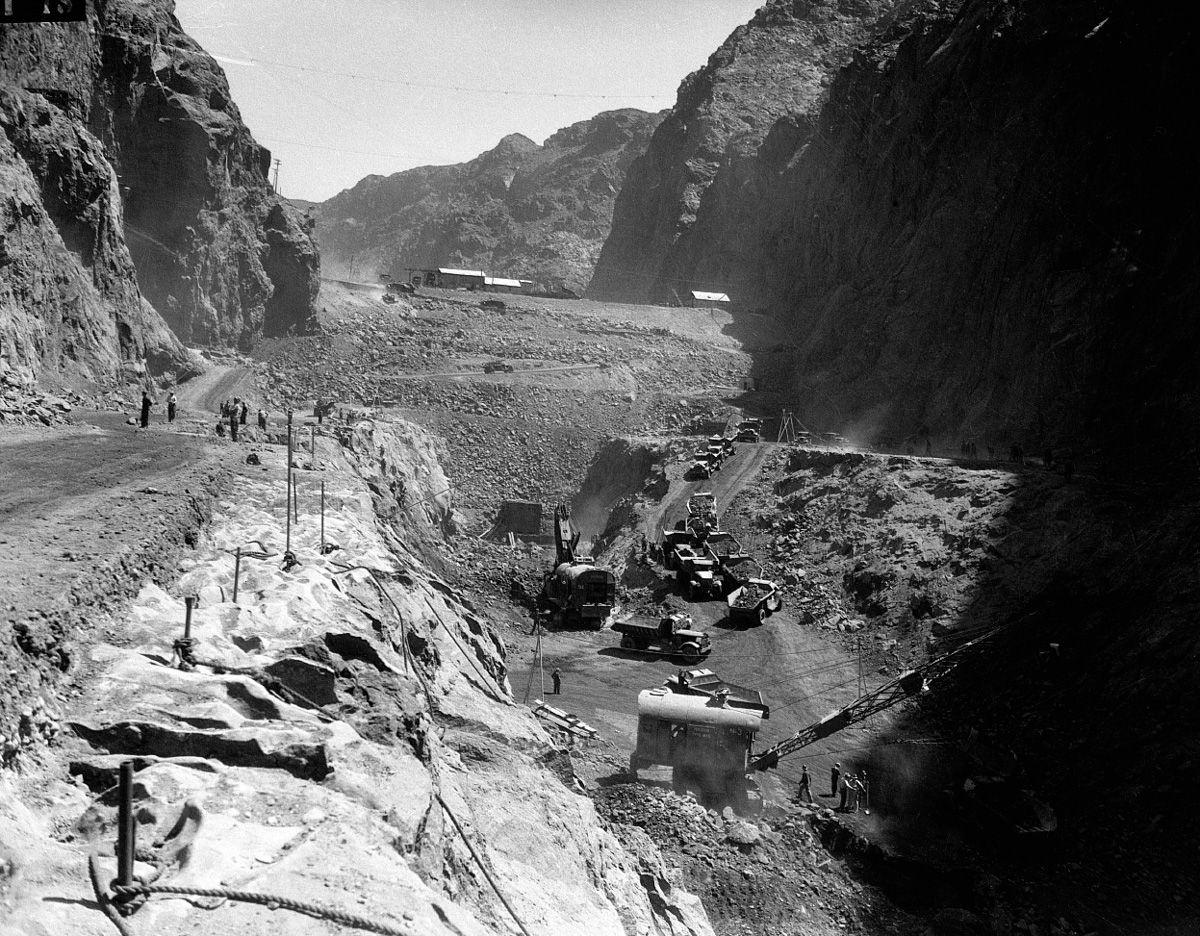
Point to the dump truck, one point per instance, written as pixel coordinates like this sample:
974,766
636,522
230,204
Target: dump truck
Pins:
492,367
721,442
702,728
724,547
575,592
702,507
749,430
753,601
699,576
673,635
699,468
672,540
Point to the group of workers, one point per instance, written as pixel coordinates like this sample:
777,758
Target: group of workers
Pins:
853,790
147,403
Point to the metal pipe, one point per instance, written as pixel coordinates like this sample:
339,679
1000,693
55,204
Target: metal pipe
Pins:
188,603
237,570
312,445
126,830
322,516
295,500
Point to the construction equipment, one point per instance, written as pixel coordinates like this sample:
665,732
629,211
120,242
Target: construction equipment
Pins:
700,577
388,298
700,467
908,685
726,549
702,728
673,635
575,592
491,367
702,509
753,602
749,430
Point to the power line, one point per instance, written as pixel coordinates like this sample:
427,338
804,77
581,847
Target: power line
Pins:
403,82
433,85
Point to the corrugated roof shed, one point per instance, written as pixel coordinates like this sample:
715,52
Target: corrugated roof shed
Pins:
501,281
709,296
449,272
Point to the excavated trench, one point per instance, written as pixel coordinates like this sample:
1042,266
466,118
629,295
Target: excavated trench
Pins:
622,472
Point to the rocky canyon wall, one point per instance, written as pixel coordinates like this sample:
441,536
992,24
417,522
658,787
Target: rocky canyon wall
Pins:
779,64
985,230
134,199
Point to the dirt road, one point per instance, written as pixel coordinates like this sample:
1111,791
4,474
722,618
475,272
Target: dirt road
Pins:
222,382
86,513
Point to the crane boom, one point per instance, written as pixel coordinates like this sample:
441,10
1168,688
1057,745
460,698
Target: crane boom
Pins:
565,537
905,686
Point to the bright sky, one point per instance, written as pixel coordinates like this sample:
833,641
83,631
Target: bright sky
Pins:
340,89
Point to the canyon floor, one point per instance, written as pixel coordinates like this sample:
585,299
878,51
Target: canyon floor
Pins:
884,560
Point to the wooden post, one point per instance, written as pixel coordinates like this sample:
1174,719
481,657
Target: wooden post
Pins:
322,516
288,510
126,830
312,445
188,603
237,571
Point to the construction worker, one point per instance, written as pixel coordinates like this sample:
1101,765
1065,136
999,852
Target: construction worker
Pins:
856,791
834,774
233,423
262,419
556,678
145,421
171,403
804,791
243,412
845,788
866,790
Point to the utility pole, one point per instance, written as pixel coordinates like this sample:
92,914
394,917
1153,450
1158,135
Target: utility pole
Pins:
288,510
275,170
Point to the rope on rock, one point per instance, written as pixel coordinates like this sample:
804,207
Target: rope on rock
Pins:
271,901
482,867
486,680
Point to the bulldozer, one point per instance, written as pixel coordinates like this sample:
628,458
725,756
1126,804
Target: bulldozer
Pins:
575,593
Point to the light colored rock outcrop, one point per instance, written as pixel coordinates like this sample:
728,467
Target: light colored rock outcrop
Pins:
247,781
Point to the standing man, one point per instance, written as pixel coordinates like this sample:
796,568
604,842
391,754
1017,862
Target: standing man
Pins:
834,774
145,421
262,419
556,678
846,788
171,403
233,423
243,412
866,792
804,791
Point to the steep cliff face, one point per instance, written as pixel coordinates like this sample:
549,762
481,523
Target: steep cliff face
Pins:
540,212
69,302
983,232
991,229
133,194
780,63
218,253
